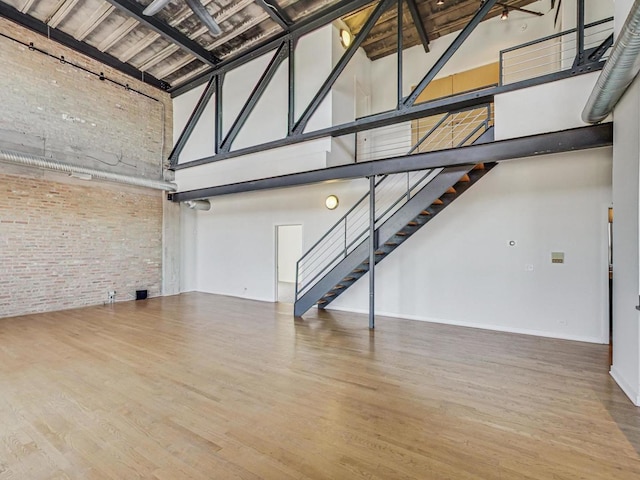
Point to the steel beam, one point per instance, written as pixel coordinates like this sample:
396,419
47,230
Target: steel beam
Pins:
400,47
297,30
218,116
193,121
417,21
276,13
255,96
291,105
448,53
372,252
582,138
596,53
580,34
340,66
434,107
134,9
67,40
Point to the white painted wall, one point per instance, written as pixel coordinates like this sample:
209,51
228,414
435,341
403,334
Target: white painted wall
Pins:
626,241
235,241
526,111
289,238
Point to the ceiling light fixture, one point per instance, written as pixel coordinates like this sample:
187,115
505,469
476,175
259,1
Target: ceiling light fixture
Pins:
440,2
331,202
505,14
345,37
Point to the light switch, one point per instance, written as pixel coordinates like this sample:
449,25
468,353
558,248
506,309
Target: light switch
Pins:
557,257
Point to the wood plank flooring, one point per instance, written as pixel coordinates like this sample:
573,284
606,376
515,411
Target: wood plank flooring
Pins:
201,386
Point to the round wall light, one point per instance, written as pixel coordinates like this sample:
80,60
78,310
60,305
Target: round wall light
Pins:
345,38
331,202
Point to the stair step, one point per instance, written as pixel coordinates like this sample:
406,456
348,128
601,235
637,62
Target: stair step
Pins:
425,212
329,295
451,190
465,178
339,287
412,224
380,252
349,279
437,201
321,302
359,270
391,244
479,166
402,234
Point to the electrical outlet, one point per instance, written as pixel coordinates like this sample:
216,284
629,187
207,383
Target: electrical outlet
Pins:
528,268
111,295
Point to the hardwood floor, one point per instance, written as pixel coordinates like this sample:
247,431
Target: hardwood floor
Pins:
206,387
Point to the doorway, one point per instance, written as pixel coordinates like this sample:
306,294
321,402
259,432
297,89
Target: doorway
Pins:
288,251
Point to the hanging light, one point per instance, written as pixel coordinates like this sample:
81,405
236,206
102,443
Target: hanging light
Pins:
440,2
505,14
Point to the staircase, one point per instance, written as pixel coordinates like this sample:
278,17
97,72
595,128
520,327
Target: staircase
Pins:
404,203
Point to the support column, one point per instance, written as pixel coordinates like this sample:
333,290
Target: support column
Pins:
372,250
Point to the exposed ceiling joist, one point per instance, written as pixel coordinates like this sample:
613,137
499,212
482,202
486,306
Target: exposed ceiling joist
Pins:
276,13
118,34
134,9
139,46
61,11
27,6
91,23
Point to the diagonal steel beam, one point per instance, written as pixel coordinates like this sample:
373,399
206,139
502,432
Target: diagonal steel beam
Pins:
297,30
193,121
582,138
417,21
67,40
276,13
448,53
134,9
340,66
255,96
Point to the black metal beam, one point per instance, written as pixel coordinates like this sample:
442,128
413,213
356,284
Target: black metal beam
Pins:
433,107
192,122
596,53
448,53
340,66
291,78
255,96
582,138
67,40
417,21
297,30
276,13
218,116
400,49
134,9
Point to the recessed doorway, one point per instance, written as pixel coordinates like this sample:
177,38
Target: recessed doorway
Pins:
288,251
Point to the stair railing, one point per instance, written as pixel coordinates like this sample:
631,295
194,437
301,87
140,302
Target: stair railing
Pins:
452,130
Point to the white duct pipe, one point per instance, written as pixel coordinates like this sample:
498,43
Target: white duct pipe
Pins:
619,71
203,205
84,172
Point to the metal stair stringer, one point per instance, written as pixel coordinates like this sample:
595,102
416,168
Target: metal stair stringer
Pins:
389,235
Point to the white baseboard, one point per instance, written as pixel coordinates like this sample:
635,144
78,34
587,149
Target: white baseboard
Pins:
626,387
483,326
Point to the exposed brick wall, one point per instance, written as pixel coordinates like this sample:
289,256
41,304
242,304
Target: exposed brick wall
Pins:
65,243
64,246
54,109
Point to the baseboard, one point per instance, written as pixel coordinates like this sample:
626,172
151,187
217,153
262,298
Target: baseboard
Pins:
629,391
244,297
482,326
